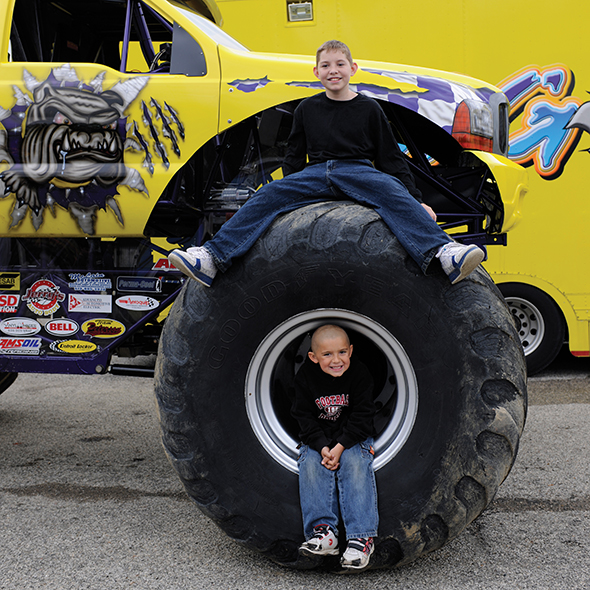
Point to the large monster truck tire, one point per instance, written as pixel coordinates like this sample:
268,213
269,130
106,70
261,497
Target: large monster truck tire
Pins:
6,380
449,370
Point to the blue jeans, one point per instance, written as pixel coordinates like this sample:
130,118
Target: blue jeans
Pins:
349,491
354,179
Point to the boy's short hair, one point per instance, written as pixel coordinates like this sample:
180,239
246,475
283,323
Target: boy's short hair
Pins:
333,45
329,330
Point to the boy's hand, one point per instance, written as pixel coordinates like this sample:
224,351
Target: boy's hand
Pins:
327,461
430,211
331,458
337,452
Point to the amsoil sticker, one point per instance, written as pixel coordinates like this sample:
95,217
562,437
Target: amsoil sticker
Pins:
43,297
9,281
103,328
91,281
62,327
137,302
9,303
82,303
144,284
29,346
72,346
20,326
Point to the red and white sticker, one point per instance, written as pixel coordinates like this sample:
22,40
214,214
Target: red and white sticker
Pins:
163,264
20,345
9,302
82,303
20,326
137,302
43,297
62,327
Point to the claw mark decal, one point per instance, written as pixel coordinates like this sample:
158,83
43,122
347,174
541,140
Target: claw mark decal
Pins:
149,123
147,162
249,85
167,130
176,120
64,141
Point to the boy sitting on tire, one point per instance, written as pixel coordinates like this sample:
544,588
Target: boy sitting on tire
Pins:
334,409
341,144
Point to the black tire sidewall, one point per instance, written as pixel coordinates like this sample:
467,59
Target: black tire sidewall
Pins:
249,494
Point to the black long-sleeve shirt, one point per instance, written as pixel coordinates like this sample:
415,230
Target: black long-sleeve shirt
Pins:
325,129
332,410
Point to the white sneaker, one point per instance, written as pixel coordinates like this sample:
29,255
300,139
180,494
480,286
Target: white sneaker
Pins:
196,263
358,553
323,542
459,260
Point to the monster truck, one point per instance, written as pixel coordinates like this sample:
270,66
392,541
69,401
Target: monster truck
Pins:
129,128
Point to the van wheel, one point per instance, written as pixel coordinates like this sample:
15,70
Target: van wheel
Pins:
447,363
539,323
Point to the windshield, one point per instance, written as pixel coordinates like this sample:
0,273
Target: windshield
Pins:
208,27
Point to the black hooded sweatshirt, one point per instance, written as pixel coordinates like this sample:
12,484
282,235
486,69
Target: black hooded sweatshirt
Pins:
332,410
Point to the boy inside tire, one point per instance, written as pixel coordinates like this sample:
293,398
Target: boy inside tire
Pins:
334,408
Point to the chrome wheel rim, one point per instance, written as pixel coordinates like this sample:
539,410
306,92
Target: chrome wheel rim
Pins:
277,442
529,323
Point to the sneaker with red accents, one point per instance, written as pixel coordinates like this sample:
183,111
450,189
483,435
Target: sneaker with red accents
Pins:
323,542
358,553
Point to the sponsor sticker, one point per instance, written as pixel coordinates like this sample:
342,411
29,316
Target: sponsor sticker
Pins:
9,281
163,264
62,327
137,302
29,346
9,303
43,297
103,328
145,284
91,281
83,303
72,346
20,326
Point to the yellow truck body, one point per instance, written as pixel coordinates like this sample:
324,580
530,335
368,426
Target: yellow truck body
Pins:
541,64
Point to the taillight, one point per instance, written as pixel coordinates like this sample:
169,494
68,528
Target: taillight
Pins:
473,126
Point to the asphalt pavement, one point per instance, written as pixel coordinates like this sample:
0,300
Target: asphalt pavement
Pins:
89,501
